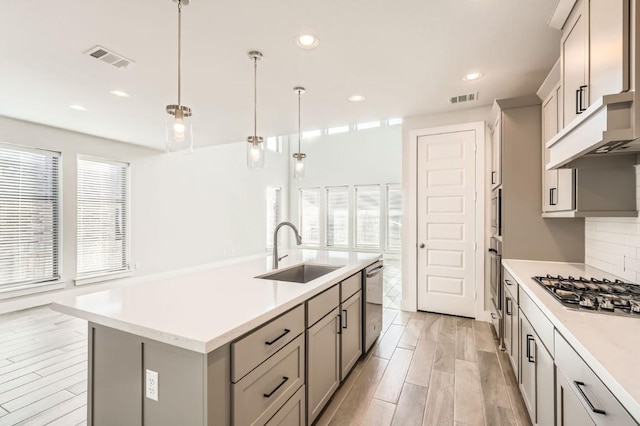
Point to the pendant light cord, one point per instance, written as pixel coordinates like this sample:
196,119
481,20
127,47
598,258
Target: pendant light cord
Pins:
299,128
255,100
179,48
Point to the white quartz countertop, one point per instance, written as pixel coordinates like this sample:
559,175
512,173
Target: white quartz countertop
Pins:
202,311
609,344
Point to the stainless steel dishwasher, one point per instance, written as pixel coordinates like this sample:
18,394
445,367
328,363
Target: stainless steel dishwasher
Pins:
372,304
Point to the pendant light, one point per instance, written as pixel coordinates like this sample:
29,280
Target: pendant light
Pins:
255,147
298,164
179,134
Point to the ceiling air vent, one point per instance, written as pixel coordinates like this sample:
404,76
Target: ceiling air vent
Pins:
109,56
469,97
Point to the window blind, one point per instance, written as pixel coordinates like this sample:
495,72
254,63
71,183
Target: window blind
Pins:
29,216
337,217
274,214
394,217
310,216
102,217
368,216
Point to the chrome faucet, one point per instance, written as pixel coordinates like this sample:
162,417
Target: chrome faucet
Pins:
275,241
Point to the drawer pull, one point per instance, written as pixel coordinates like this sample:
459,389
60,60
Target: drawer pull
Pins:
530,339
268,395
339,318
286,331
346,319
594,409
509,307
508,282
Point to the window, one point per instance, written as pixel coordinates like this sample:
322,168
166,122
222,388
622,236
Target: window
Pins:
337,217
310,216
394,217
29,216
368,216
368,125
274,144
274,213
102,217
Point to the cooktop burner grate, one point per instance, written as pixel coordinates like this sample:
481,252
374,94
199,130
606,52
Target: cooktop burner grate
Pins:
594,295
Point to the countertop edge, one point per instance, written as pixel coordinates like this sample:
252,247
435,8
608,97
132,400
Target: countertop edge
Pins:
629,403
208,346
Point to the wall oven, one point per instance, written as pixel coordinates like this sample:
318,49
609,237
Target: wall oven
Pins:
495,268
496,212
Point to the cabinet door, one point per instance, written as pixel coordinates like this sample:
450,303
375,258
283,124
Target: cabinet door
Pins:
496,155
351,333
323,363
608,47
569,410
545,386
549,130
575,60
515,336
528,366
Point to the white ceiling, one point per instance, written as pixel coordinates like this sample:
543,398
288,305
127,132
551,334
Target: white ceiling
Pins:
407,57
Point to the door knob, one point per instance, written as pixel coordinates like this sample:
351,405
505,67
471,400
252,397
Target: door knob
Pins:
422,245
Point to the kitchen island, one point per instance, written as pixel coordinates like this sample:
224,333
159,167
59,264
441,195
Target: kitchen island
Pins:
596,352
167,351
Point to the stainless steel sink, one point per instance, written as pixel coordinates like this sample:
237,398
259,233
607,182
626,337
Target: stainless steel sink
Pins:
302,273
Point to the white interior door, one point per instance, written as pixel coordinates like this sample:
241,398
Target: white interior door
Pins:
446,223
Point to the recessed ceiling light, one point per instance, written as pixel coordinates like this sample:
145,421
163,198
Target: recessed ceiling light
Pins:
120,93
357,98
472,76
307,41
78,107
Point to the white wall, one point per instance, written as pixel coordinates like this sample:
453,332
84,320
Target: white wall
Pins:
613,244
409,291
358,157
186,209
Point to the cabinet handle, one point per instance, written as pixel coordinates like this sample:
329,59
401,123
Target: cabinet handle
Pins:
551,197
578,102
339,317
582,95
346,319
509,309
493,175
284,380
286,331
594,409
530,356
508,282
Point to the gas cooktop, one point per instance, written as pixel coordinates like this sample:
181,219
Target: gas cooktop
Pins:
590,294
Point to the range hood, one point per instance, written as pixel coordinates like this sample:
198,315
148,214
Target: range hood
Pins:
609,126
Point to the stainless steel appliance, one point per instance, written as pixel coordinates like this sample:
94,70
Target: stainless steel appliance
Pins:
594,295
495,254
496,212
372,304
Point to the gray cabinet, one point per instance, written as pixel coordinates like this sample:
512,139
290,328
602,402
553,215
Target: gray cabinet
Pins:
595,54
569,411
511,340
536,375
323,362
496,154
351,333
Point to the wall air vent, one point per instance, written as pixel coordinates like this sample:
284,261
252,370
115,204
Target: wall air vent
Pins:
469,97
109,57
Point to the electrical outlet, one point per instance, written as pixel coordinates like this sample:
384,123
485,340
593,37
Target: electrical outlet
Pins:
152,385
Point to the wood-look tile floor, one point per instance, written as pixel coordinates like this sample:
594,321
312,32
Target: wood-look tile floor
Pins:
430,369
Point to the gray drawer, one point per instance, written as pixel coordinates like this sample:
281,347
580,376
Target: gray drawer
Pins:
351,286
322,304
511,284
253,349
539,321
588,388
259,395
292,413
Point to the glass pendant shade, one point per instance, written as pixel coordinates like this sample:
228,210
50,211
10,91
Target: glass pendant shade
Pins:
255,153
299,169
179,131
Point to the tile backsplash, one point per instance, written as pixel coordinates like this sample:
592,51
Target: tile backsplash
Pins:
613,244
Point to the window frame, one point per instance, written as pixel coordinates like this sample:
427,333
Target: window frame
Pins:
327,190
279,191
92,277
305,243
15,289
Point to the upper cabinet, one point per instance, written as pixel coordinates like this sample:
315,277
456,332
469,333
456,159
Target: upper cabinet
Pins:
597,114
496,155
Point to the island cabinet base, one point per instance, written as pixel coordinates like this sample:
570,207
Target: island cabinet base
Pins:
192,388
